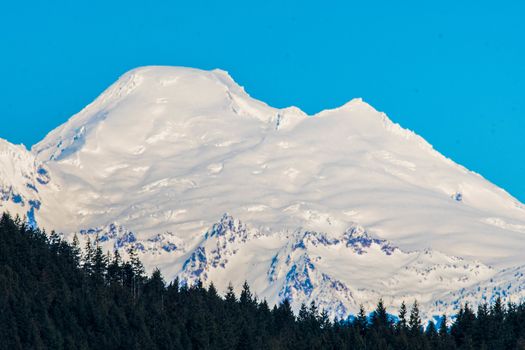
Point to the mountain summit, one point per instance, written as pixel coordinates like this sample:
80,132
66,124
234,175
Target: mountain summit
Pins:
341,207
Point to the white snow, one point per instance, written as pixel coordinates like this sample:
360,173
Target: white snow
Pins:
170,149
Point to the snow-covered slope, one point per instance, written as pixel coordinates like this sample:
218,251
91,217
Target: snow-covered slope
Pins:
21,176
341,207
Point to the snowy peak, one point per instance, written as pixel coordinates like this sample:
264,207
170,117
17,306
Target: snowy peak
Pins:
228,228
220,242
155,92
341,207
195,95
357,238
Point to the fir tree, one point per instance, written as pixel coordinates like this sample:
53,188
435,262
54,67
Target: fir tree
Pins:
361,321
380,319
246,297
443,330
402,318
414,324
230,294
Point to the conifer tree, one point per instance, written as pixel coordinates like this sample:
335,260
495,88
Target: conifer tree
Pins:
136,264
481,329
212,291
324,320
361,321
443,330
98,264
414,324
137,272
380,319
115,273
230,294
76,250
402,318
246,297
313,313
88,257
303,314
431,331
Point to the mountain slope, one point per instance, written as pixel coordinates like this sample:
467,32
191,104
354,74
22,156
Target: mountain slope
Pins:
160,156
21,177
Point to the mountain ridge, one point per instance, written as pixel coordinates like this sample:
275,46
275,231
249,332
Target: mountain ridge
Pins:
164,152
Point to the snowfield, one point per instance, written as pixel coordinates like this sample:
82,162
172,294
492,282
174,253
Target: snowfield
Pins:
342,207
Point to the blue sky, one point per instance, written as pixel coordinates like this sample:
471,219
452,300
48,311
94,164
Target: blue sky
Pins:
453,71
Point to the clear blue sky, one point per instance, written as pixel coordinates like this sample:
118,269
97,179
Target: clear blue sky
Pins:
453,71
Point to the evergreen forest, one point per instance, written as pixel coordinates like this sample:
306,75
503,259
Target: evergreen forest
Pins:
59,295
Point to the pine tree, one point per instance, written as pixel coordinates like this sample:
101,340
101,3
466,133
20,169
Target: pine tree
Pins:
114,272
431,332
76,250
154,285
361,321
313,312
402,318
136,264
324,320
414,324
443,330
481,329
246,297
154,290
283,318
98,264
230,294
212,291
380,319
88,257
303,315
137,269
462,329
497,312
54,241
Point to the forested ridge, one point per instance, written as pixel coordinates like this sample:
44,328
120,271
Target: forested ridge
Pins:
56,295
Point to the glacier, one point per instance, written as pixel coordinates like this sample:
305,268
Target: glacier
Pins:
342,207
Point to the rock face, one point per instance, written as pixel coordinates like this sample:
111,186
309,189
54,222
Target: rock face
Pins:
341,207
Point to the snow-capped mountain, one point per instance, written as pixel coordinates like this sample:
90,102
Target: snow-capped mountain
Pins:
341,207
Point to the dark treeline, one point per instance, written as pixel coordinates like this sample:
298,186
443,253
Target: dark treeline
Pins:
54,295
